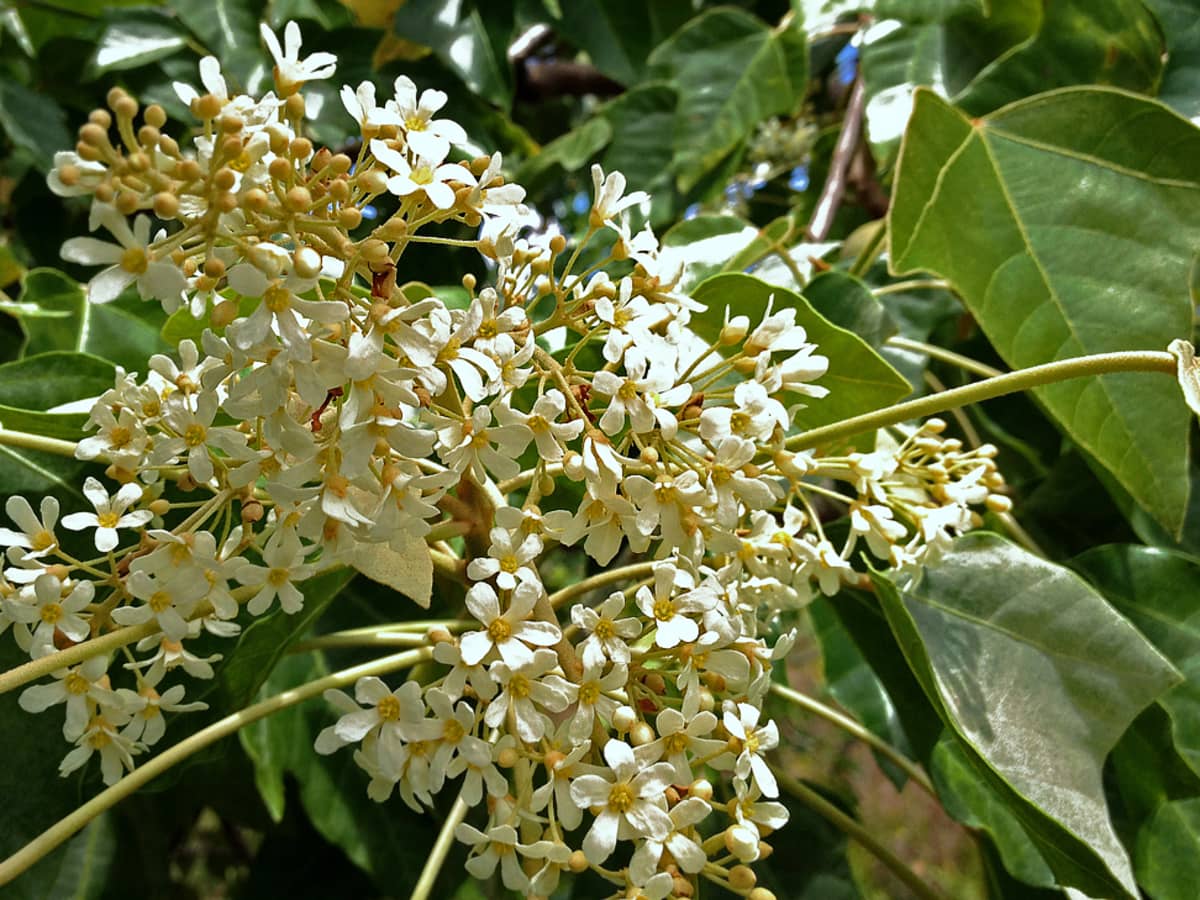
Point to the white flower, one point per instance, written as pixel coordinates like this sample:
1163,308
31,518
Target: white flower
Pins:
397,715
608,202
169,600
427,136
284,558
641,395
75,687
629,797
116,750
688,854
670,604
680,737
52,610
360,104
425,176
508,632
523,689
510,564
110,513
607,634
282,307
129,260
290,70
36,536
549,434
498,845
593,698
741,721
210,77
146,705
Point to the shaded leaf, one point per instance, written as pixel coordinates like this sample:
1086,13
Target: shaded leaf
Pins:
618,35
1038,700
859,380
1103,267
126,331
1157,590
34,122
456,33
847,302
1168,851
640,118
571,151
229,30
31,386
731,72
132,40
1180,21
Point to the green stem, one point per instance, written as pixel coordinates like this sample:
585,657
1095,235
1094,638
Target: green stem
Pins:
379,639
61,659
27,441
612,576
935,352
917,284
1010,382
910,768
870,252
69,825
441,849
857,832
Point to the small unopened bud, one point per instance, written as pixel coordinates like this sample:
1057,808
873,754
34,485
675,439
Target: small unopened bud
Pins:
224,313
655,682
207,107
224,179
93,134
681,887
558,244
299,199
701,788
573,466
252,511
624,718
374,250
742,878
160,507
707,701
438,636
934,426
507,758
998,503
760,893
155,115
148,135
295,110
307,262
577,862
349,217
641,734
735,331
166,205
648,455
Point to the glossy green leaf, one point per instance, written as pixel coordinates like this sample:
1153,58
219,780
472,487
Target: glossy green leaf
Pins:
1117,42
859,380
126,331
132,40
456,32
847,302
229,30
1180,87
975,803
571,151
34,122
1103,267
732,72
1168,851
639,119
896,60
265,640
618,35
1038,699
31,387
1158,590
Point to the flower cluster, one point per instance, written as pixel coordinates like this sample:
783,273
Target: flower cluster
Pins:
615,725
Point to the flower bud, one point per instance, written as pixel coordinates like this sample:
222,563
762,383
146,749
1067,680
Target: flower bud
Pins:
577,862
742,878
306,262
701,788
641,734
624,718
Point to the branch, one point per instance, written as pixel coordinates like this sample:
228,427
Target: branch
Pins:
839,165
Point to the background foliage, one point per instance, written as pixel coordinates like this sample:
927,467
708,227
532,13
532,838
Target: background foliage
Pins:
1049,175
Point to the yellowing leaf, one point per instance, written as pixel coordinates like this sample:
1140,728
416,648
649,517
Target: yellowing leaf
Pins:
404,566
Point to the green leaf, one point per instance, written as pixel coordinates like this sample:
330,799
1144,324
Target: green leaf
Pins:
571,151
975,803
847,302
618,35
1103,266
1180,21
1168,851
126,331
34,122
732,72
134,39
1157,590
229,30
1115,43
859,380
1038,699
639,119
31,386
265,641
408,571
896,60
456,33
80,869
386,839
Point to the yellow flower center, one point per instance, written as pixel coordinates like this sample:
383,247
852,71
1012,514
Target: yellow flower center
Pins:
509,564
159,601
388,708
589,693
43,540
627,391
519,687
751,742
195,434
119,437
738,421
135,261
676,743
499,630
620,798
421,175
488,328
453,732
108,519
604,629
664,609
415,123
277,577
76,684
538,424
278,298
622,317
51,613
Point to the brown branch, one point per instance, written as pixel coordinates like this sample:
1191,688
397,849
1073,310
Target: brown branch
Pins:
839,166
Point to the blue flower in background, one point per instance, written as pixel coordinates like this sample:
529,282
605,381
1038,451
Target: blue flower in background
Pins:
692,211
798,179
847,64
581,203
369,212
